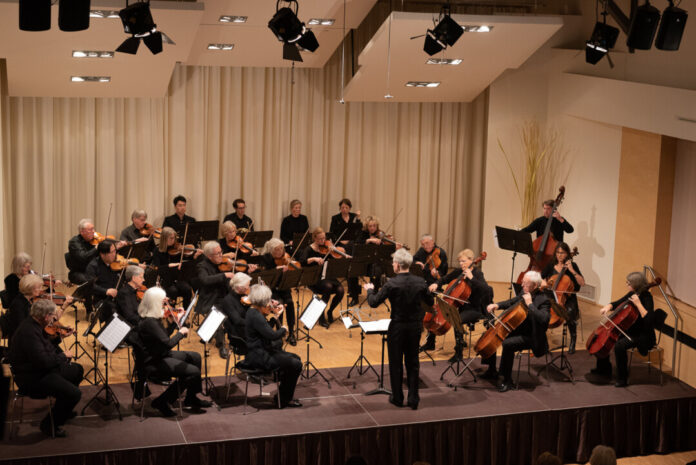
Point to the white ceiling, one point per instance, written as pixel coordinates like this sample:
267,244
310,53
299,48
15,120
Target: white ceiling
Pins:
511,41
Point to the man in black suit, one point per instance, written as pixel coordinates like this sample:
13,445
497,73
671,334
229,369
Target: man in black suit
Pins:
178,220
213,286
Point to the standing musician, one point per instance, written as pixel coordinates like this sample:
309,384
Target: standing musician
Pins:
294,223
127,301
213,287
641,333
325,287
469,312
274,256
178,220
41,368
339,223
235,307
405,293
168,262
425,257
21,266
104,290
562,260
158,356
229,243
239,217
559,225
264,352
531,334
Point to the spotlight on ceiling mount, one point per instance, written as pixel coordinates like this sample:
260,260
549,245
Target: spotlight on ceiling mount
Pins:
671,28
445,33
644,21
291,31
603,39
137,20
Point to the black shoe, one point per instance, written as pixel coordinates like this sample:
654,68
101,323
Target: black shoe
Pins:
427,347
490,374
323,322
195,402
394,402
163,407
505,387
621,383
224,353
294,403
291,339
353,301
413,405
571,346
45,427
331,318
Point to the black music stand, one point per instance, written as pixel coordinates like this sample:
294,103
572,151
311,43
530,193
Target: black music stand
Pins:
199,231
355,323
269,277
515,241
140,250
564,362
205,331
298,242
309,318
379,389
416,270
451,314
258,238
95,353
84,292
310,276
289,280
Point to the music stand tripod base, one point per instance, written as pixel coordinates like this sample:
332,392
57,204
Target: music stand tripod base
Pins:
381,389
565,363
362,365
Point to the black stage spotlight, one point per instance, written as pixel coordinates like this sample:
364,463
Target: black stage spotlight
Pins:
444,34
644,21
35,15
137,20
603,39
73,15
671,28
292,32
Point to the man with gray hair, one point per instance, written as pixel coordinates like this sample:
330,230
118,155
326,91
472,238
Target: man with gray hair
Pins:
405,293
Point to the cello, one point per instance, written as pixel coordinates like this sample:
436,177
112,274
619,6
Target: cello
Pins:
560,286
544,246
506,323
601,341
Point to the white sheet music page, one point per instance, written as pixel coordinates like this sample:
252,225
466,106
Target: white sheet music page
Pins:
378,326
114,333
211,323
313,312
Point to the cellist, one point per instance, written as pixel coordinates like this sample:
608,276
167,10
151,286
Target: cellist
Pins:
641,333
531,334
559,224
471,311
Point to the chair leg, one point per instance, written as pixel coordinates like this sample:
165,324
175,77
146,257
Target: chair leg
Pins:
142,401
50,416
12,414
246,393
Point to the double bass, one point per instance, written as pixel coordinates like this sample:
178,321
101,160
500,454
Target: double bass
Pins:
601,341
544,246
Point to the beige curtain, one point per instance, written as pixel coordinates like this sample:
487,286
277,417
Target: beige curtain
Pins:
223,133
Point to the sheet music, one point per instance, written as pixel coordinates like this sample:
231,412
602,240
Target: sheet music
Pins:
347,322
313,311
113,333
211,323
193,303
378,326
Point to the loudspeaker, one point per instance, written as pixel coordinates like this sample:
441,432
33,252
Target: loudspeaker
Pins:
671,28
35,15
73,15
643,27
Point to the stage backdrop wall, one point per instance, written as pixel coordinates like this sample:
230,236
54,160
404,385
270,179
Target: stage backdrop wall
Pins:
223,133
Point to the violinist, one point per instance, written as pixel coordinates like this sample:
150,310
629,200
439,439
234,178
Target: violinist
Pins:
641,333
469,312
127,297
156,345
41,368
405,292
559,225
531,334
213,286
294,223
314,255
339,223
371,234
169,267
133,233
274,256
561,261
178,220
230,243
235,307
104,288
239,217
263,352
21,266
428,256
81,251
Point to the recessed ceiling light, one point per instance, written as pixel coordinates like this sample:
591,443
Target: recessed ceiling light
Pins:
103,14
443,61
92,54
321,22
232,19
90,78
220,46
422,84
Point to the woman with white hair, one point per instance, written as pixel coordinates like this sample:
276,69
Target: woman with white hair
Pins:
274,257
263,353
234,307
21,265
157,353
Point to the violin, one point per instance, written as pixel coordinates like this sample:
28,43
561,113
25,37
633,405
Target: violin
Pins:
286,260
335,252
434,261
56,329
121,262
238,243
229,265
99,238
389,239
58,298
601,341
174,314
189,249
560,285
150,231
140,291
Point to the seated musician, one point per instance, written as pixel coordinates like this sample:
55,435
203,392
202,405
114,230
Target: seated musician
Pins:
213,286
104,290
234,308
371,234
559,225
424,258
81,251
178,220
294,223
158,356
326,287
239,218
339,223
469,312
265,351
21,266
641,333
230,247
127,299
132,232
41,368
274,257
561,261
531,334
168,265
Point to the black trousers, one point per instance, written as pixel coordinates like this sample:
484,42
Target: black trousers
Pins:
185,366
63,384
326,288
353,288
285,297
402,347
289,367
513,343
621,355
79,277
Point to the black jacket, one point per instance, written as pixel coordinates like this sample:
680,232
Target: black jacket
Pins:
127,305
243,222
405,293
15,315
177,224
557,228
481,292
260,337
213,286
106,277
236,312
33,353
80,253
422,256
643,330
537,321
155,341
11,287
338,225
292,225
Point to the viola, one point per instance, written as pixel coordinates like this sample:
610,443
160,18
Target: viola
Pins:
434,261
150,231
229,265
58,298
99,238
506,323
560,285
601,341
329,249
238,243
389,239
121,262
286,260
56,329
140,291
174,314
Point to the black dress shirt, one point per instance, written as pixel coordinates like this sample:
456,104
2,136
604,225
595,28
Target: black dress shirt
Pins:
422,256
213,285
405,293
243,222
155,340
33,353
235,311
292,225
338,225
260,337
176,223
537,321
479,288
80,253
557,228
106,277
11,287
127,305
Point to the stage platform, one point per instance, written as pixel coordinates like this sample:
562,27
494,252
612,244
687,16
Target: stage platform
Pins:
474,424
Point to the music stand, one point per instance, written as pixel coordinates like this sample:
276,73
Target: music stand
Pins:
269,277
310,276
515,241
95,354
205,332
110,336
140,250
298,242
451,314
309,318
564,362
258,238
416,270
378,327
200,231
84,292
348,323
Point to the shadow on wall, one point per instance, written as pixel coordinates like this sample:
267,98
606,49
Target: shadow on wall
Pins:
589,247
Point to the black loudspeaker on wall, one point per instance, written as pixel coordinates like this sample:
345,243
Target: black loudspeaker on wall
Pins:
643,27
35,15
671,29
73,15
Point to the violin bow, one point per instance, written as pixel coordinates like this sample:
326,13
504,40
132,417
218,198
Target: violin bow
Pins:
108,219
386,230
43,258
301,241
183,245
330,248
